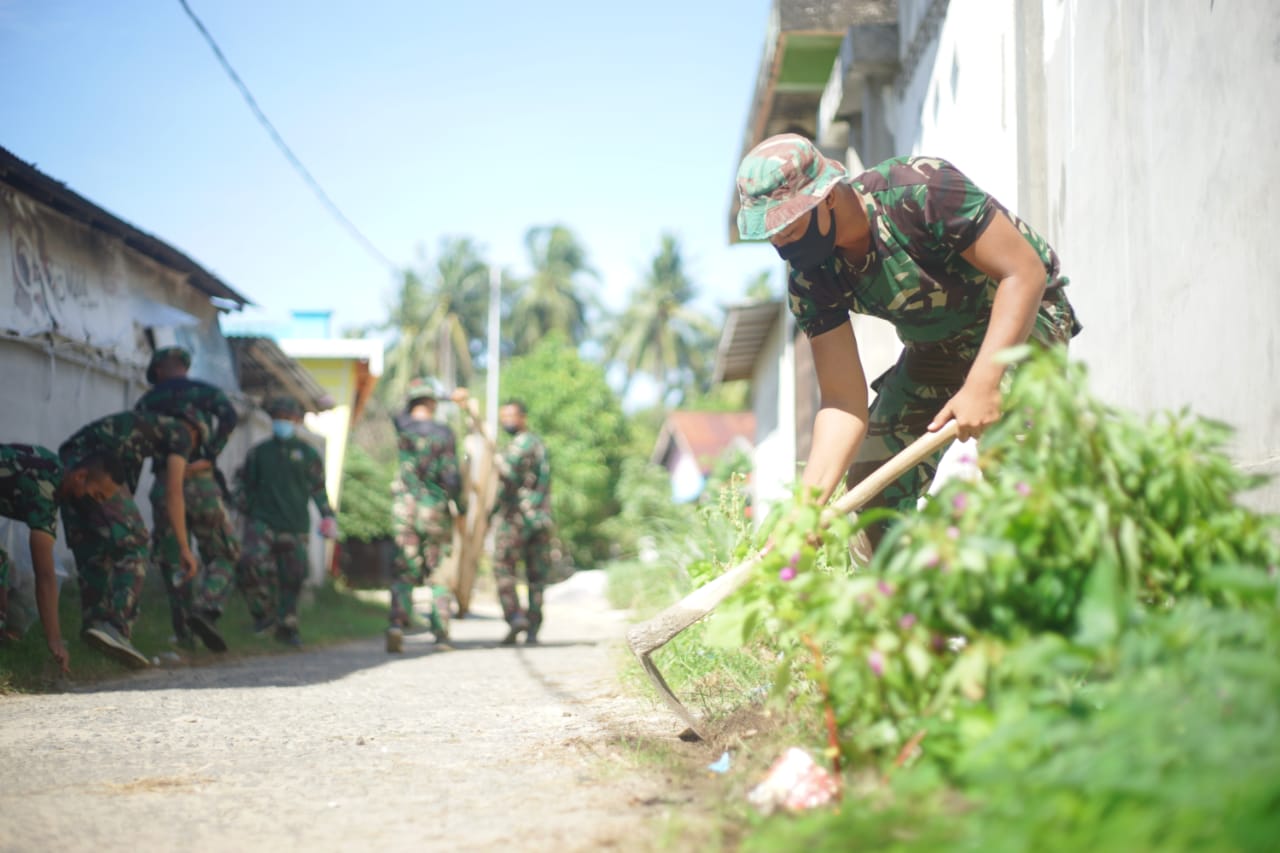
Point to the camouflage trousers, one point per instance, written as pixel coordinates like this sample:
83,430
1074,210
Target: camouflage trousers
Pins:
910,393
512,544
109,542
423,537
208,524
273,566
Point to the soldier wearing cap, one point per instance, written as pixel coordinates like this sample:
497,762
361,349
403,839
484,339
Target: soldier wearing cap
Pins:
915,242
280,477
33,483
193,607
108,537
427,497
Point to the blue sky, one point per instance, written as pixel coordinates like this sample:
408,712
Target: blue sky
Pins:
421,118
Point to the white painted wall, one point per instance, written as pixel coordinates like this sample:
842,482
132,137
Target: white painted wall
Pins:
1162,134
958,100
773,402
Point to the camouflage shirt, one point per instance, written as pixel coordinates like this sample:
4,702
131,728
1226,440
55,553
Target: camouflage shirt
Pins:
29,477
131,438
525,490
279,477
429,462
923,214
167,397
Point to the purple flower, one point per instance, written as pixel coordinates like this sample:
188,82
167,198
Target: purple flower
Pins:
907,621
875,660
1023,489
886,588
953,532
788,573
960,501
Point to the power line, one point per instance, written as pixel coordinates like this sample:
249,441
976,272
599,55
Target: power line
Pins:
355,232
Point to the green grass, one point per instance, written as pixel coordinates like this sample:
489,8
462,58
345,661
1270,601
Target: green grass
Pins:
329,615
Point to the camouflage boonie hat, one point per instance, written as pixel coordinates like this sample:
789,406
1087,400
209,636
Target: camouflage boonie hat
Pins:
424,388
286,406
164,354
780,180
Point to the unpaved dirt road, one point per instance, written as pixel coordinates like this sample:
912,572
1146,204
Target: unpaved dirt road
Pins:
348,748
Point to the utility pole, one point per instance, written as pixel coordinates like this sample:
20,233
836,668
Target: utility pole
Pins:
492,358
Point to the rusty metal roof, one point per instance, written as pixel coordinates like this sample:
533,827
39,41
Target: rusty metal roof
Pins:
30,181
265,371
746,328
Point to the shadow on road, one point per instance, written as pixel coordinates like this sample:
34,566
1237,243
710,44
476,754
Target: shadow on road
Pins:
306,666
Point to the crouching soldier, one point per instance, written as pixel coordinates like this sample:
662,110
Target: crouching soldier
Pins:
108,537
193,607
428,481
280,476
32,485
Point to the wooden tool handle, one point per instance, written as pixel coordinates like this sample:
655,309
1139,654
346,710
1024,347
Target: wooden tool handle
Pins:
656,632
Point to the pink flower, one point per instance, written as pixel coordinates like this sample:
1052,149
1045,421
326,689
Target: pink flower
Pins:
960,501
886,588
787,573
932,561
875,660
907,621
1023,489
953,532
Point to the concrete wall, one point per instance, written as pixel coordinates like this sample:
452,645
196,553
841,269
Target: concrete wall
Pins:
773,402
1162,162
1139,137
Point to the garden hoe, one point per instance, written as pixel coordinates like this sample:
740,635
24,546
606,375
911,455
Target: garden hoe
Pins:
647,637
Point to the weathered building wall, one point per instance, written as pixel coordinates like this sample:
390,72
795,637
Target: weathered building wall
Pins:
1162,165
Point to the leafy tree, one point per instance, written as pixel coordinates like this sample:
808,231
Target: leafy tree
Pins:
580,419
551,300
660,333
437,316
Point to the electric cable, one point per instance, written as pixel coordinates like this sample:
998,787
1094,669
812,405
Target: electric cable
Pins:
328,202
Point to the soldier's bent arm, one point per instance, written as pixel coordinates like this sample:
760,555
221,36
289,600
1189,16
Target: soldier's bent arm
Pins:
841,422
41,545
315,479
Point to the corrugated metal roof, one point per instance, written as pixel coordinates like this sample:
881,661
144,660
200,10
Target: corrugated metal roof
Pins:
265,371
746,328
30,181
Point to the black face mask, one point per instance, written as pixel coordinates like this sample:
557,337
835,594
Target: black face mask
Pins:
510,429
812,248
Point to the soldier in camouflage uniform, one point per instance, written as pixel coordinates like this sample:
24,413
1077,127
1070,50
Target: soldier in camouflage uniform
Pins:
108,538
280,476
523,530
426,495
915,242
193,606
32,485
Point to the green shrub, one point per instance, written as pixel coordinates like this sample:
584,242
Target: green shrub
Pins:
366,496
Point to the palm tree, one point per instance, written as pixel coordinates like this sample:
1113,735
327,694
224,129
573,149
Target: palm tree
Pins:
550,300
436,316
660,333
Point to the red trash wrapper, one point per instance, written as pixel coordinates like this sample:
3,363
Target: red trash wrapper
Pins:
795,782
